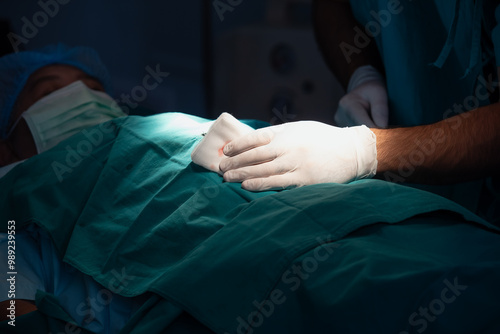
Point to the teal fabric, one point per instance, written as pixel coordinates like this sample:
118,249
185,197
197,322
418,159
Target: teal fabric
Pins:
137,215
384,278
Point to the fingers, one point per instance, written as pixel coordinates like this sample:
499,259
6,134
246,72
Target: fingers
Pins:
254,139
381,120
257,171
254,156
380,111
360,116
275,182
352,115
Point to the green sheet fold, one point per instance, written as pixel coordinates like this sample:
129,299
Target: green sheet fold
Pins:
137,215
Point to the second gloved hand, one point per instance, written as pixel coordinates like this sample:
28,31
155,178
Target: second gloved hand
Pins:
300,153
365,101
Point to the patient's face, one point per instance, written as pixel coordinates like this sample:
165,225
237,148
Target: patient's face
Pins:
47,80
20,144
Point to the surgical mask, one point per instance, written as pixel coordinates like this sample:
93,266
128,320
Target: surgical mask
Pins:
66,112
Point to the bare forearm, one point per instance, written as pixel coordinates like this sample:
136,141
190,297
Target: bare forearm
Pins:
461,148
335,31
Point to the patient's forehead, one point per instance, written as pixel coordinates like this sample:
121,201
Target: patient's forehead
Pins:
47,80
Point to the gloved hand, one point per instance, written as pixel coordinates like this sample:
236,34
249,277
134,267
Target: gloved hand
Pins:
300,153
208,152
365,101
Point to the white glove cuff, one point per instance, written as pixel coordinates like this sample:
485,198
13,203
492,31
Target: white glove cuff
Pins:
366,151
364,74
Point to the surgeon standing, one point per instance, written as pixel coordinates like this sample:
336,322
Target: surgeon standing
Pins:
421,104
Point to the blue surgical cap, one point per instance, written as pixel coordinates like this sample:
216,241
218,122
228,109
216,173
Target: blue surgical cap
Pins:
16,68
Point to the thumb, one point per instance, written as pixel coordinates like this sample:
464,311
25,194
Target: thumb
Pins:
355,113
379,111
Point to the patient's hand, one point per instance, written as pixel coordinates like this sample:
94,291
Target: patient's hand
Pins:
300,153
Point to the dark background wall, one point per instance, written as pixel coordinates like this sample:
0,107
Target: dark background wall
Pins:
180,37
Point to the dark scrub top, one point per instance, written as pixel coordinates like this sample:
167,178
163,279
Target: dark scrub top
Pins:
440,60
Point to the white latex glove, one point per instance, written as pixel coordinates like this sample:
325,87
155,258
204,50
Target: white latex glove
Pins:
208,152
365,101
300,153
